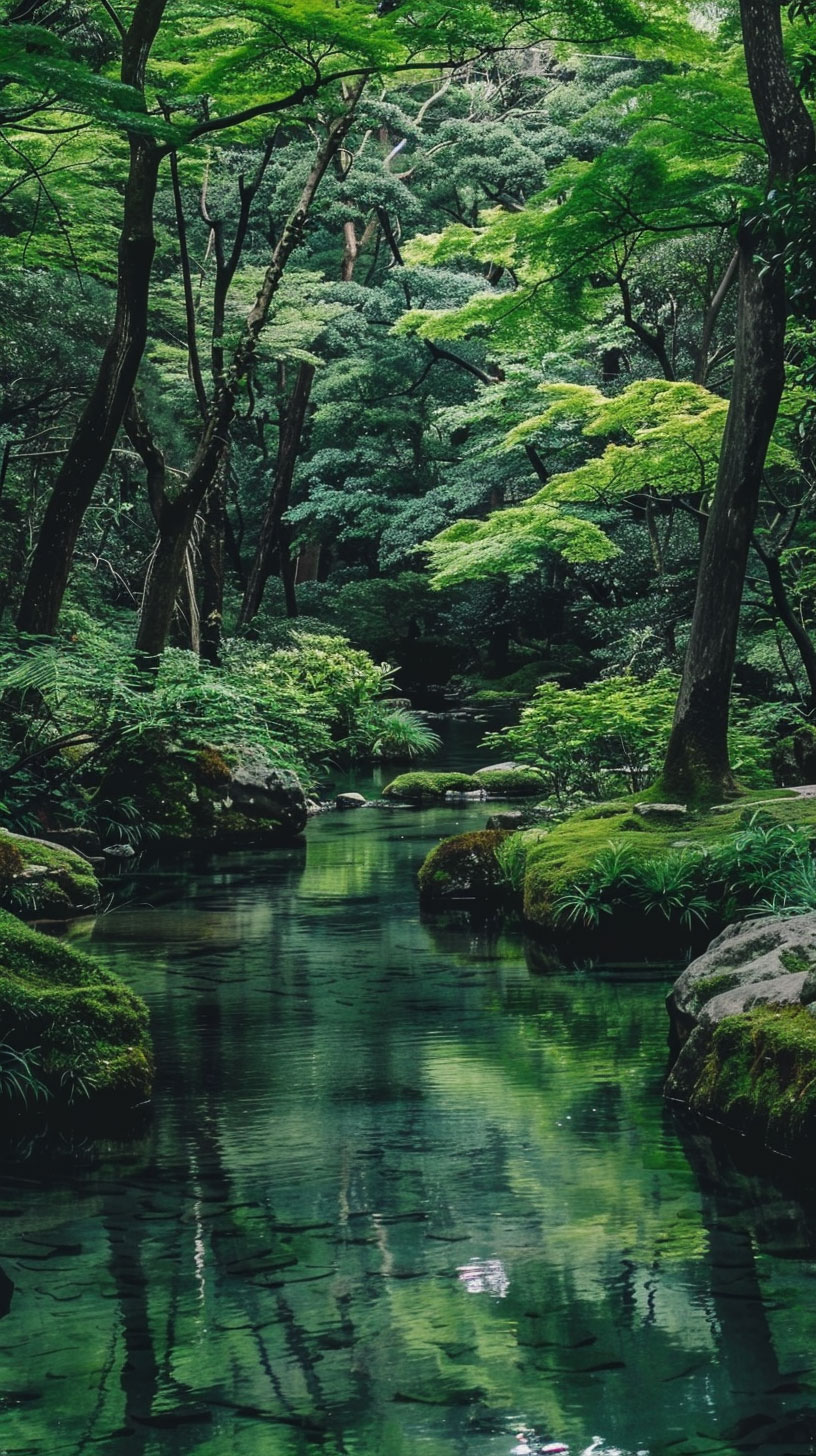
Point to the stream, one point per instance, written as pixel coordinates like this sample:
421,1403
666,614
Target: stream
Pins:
402,1195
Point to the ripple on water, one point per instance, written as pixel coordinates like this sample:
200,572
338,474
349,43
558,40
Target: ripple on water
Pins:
399,1196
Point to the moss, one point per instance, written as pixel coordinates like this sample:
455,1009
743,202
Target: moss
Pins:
11,860
795,962
564,856
69,886
211,768
710,986
465,867
512,783
759,1076
82,1028
418,787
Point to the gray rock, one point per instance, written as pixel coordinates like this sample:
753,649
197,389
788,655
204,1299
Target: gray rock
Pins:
506,767
350,801
507,819
471,796
271,795
753,963
119,851
661,811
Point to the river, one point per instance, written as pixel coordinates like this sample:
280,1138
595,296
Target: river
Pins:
401,1196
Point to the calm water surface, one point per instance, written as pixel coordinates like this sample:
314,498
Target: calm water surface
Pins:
400,1195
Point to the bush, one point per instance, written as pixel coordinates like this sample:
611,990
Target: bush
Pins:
307,702
609,737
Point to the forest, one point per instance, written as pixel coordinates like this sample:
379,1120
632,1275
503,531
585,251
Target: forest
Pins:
407,691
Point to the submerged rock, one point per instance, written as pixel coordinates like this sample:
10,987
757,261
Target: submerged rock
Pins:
743,1016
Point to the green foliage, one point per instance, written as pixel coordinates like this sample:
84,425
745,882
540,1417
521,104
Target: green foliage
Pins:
305,703
585,741
511,854
609,736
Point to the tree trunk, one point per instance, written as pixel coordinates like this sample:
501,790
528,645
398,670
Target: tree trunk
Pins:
176,525
789,620
213,556
697,764
269,540
98,425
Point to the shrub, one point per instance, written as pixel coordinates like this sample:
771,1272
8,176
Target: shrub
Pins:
609,737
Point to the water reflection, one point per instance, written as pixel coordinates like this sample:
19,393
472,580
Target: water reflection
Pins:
399,1196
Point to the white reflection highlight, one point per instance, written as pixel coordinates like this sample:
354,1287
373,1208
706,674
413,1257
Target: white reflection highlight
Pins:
484,1276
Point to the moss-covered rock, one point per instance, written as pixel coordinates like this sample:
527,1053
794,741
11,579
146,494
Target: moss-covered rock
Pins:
73,1034
420,788
40,878
512,783
744,1025
465,868
207,794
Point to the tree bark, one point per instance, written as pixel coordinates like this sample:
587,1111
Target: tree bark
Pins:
97,427
177,523
789,619
213,558
292,423
697,764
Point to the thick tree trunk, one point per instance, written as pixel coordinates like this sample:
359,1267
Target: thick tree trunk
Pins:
269,540
159,594
96,430
697,764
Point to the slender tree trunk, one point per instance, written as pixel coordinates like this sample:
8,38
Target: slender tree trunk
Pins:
789,619
697,763
97,427
294,416
177,524
213,557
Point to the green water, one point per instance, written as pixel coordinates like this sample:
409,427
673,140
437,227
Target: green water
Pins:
399,1196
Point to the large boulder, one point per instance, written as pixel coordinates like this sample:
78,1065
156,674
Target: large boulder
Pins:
267,795
743,1020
